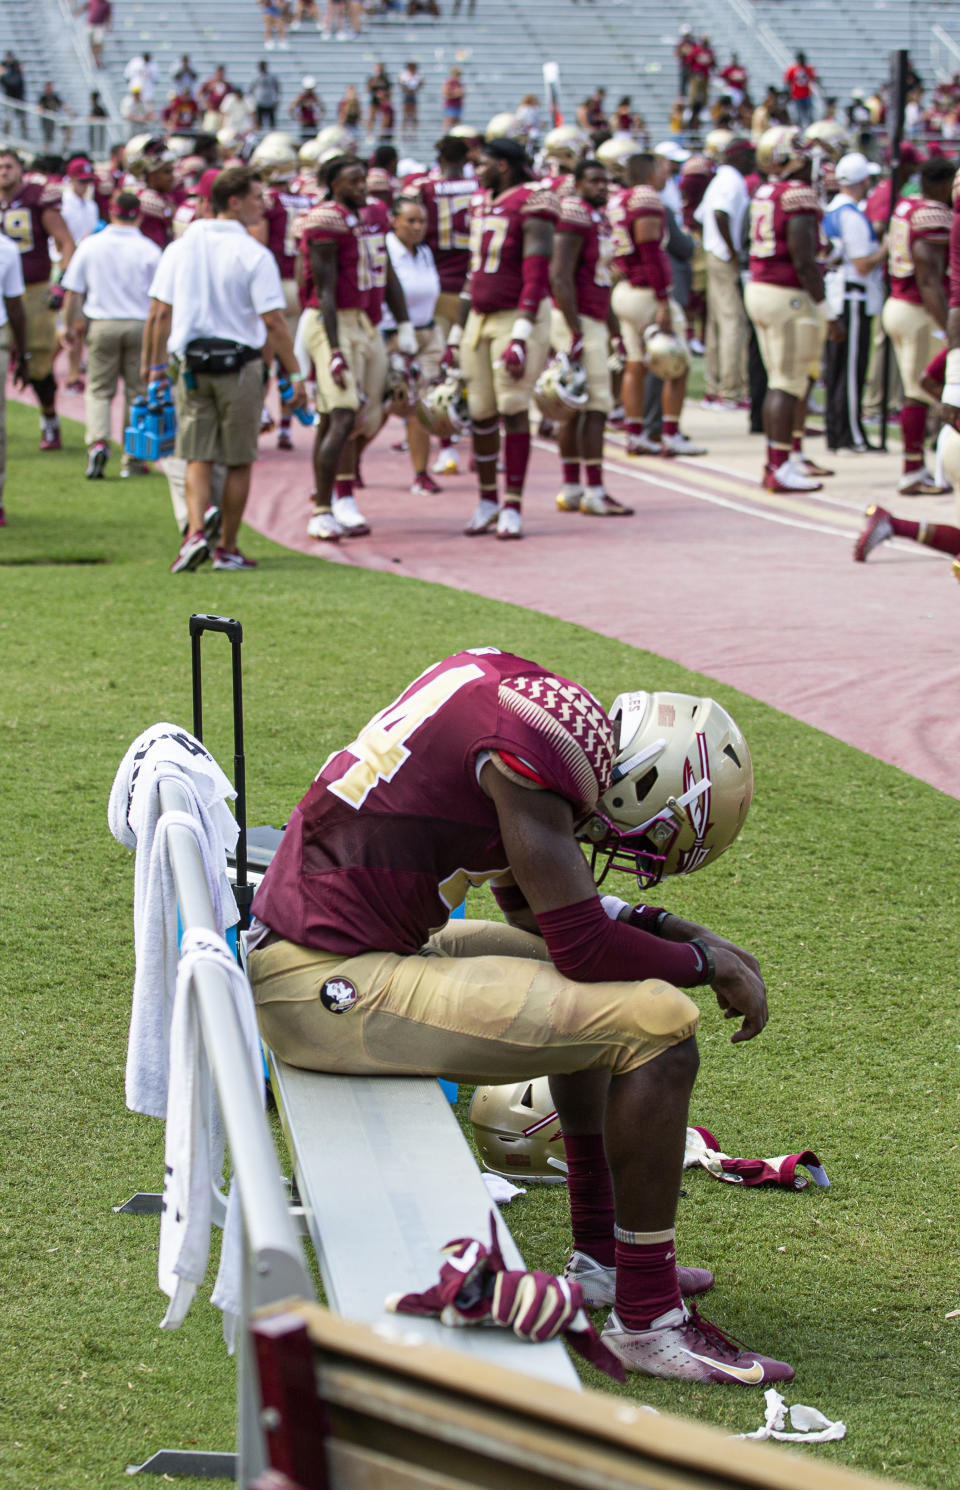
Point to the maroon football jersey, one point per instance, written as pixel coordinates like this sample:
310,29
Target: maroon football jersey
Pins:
328,221
158,208
773,205
695,175
375,217
624,209
954,260
21,220
914,218
496,243
592,277
396,827
447,205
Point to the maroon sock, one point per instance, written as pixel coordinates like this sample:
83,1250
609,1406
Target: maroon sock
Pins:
634,427
777,455
933,535
285,420
591,1196
670,426
516,454
796,447
571,472
647,1284
594,474
913,424
343,486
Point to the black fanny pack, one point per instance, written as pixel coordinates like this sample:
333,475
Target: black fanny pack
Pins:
212,354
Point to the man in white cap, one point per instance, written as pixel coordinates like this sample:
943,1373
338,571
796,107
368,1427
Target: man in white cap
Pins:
670,151
855,291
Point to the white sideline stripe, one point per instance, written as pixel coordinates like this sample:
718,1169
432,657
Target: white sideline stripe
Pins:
913,550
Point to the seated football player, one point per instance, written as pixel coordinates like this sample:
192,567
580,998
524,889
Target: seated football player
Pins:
496,763
503,336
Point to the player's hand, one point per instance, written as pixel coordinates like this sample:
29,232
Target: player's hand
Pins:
618,354
56,297
739,990
338,368
949,414
450,359
298,398
663,317
20,367
836,331
575,353
514,359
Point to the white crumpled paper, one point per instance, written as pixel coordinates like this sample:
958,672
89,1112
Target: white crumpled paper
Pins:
501,1191
811,1426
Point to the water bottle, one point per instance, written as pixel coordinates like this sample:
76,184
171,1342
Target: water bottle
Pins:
286,394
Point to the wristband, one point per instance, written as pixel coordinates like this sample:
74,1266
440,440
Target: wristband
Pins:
709,966
158,367
296,377
826,312
522,328
953,366
455,336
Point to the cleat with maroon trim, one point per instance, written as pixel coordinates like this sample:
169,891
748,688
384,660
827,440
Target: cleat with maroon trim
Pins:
684,1347
920,483
483,518
600,504
569,498
509,523
599,1284
808,467
786,478
879,528
50,433
425,486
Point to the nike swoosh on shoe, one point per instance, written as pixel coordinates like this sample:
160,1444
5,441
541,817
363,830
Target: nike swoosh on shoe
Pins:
749,1375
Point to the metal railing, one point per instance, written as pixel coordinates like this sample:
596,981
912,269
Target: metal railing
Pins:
33,129
944,53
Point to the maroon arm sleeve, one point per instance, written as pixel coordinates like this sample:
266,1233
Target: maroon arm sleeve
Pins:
955,262
654,263
584,944
535,284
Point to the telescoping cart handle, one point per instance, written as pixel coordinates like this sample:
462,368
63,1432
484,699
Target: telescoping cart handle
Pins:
234,633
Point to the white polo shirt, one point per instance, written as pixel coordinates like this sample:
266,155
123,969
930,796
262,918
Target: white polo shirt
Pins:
727,193
220,282
418,276
11,275
80,213
114,269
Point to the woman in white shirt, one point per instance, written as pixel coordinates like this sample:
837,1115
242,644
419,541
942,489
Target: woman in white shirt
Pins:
417,273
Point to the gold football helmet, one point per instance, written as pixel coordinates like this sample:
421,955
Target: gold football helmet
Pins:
781,151
500,127
682,785
829,136
560,392
518,1132
335,138
614,154
442,408
665,355
146,153
275,157
309,153
716,143
565,146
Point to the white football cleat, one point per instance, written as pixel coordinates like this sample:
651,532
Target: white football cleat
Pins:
446,463
348,515
642,445
569,498
324,525
484,518
685,1347
510,523
788,478
680,444
922,483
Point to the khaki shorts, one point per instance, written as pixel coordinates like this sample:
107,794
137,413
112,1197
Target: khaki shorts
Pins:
430,348
291,305
219,419
490,388
41,330
636,309
595,351
366,359
789,331
911,329
480,1003
446,312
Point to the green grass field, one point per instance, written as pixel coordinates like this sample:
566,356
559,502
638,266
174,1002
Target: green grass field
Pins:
844,882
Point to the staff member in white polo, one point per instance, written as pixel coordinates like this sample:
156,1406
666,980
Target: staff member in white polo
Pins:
13,331
855,291
722,213
417,272
108,282
215,299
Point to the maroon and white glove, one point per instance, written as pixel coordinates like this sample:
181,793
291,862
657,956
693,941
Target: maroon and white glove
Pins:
475,1288
451,352
338,368
575,353
618,354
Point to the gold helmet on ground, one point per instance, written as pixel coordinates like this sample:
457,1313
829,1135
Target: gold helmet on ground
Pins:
275,158
682,785
565,146
781,151
716,143
518,1132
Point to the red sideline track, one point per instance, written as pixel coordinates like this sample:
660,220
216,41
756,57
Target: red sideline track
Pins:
755,590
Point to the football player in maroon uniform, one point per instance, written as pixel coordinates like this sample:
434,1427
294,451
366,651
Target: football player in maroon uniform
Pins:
496,763
504,334
785,296
30,217
917,307
347,353
580,280
154,166
642,299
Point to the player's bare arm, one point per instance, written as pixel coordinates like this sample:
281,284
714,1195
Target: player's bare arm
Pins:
928,269
567,249
324,262
55,228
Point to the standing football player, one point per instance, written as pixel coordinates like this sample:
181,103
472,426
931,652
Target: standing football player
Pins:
580,280
504,339
30,216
